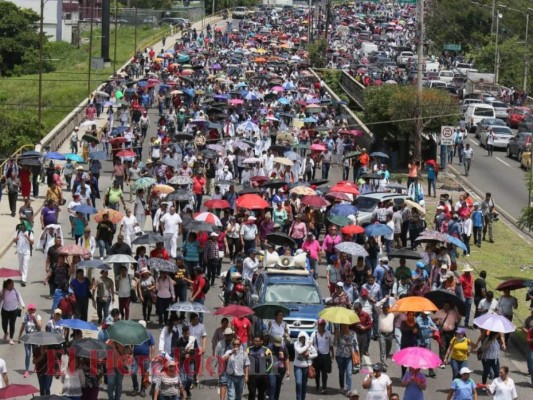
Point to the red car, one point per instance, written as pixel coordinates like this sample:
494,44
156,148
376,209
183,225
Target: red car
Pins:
516,115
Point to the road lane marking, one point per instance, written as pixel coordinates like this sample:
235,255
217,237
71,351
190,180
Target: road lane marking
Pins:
503,162
473,141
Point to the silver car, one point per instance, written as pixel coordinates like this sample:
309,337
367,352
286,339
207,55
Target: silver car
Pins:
502,135
500,109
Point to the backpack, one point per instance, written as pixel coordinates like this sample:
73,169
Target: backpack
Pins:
206,286
388,277
66,306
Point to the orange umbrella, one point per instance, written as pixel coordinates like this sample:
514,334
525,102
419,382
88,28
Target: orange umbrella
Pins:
414,304
166,189
260,60
345,188
114,215
73,250
352,229
251,202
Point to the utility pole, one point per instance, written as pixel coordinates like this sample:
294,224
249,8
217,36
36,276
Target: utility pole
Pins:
41,51
116,39
326,30
90,50
309,14
419,122
135,34
496,53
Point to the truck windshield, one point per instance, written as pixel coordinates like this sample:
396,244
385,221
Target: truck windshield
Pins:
288,293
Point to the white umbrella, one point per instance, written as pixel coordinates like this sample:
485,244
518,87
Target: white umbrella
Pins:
120,259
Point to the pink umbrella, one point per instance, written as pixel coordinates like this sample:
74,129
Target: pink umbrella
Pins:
277,89
236,101
8,273
416,357
318,147
208,217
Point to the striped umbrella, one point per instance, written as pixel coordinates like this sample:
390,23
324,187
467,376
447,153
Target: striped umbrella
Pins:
208,217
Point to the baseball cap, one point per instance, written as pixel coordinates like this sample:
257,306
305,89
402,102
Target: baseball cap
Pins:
278,340
352,393
377,367
58,311
213,234
142,322
384,258
364,292
228,331
32,307
340,284
420,264
460,331
321,321
465,370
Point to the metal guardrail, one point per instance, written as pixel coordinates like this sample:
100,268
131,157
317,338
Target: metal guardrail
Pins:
15,155
354,89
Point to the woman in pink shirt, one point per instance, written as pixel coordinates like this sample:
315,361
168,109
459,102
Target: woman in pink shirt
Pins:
298,230
330,241
312,247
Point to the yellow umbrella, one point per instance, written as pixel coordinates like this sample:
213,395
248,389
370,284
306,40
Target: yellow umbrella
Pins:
176,92
303,191
283,161
158,59
261,51
412,204
339,315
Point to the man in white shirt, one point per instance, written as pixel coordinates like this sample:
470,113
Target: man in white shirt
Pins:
250,265
3,370
129,222
197,330
171,223
162,210
322,340
24,243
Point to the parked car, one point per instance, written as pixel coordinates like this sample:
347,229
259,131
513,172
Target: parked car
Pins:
500,108
150,20
526,125
467,102
239,13
367,204
502,135
180,22
476,112
446,76
519,144
517,115
485,123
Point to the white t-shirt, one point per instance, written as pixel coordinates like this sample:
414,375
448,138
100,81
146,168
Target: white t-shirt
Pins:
124,286
128,223
502,390
23,244
171,223
3,370
198,331
378,388
491,307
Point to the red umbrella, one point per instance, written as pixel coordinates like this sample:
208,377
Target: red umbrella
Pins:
252,202
73,250
116,140
234,310
315,201
8,273
513,284
353,132
259,179
217,204
339,196
352,229
15,390
318,147
126,153
345,188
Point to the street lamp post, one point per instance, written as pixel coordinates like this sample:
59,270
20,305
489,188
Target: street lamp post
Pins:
496,53
41,51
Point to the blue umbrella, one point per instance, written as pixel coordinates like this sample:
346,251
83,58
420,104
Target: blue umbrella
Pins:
344,210
310,120
283,100
74,157
287,86
142,83
118,130
379,154
94,264
378,230
55,156
98,155
78,324
455,241
241,84
251,96
85,209
293,156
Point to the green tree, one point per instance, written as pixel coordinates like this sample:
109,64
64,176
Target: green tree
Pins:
525,220
18,36
19,128
317,53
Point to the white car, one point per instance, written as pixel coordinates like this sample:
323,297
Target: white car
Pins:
502,135
239,13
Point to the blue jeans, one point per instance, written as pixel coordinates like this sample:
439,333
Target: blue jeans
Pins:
275,381
235,387
103,248
530,364
468,304
27,350
114,385
345,373
168,397
45,382
325,170
456,367
300,377
135,369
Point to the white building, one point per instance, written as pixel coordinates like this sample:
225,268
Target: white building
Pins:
59,17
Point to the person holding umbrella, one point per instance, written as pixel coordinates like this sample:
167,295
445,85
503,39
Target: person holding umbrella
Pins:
414,383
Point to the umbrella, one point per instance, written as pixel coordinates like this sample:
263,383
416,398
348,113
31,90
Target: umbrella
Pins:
339,315
514,284
494,323
234,310
371,176
94,264
274,184
315,201
16,390
55,156
303,191
252,202
249,191
416,357
269,310
85,209
120,259
74,157
217,204
406,253
184,136
318,147
345,188
73,250
198,226
395,186
208,217
280,239
354,249
352,230
127,333
379,154
170,162
30,153
165,189
180,180
149,238
339,220
114,216
412,204
340,196
178,195
440,296
90,348
456,241
78,324
162,265
42,338
30,162
143,183
283,161
189,306
433,235
9,273
378,229
352,154
98,155
251,160
343,210
414,304
51,397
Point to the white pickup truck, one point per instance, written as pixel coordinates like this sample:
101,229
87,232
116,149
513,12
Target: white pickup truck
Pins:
404,57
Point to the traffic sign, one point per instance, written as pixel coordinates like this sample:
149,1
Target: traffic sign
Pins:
447,135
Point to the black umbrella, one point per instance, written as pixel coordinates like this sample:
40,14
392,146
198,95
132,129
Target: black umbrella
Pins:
184,137
148,238
179,195
50,397
90,348
30,154
280,239
249,191
271,96
279,148
274,184
440,296
42,338
318,182
30,162
371,176
208,153
170,162
406,253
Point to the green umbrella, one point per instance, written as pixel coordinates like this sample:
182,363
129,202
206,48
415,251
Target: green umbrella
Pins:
300,146
269,310
143,183
339,220
119,94
352,154
127,333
